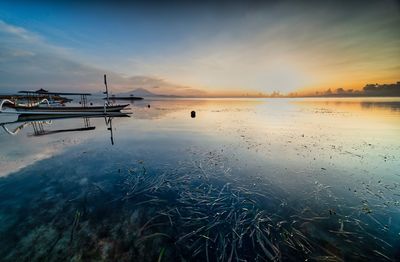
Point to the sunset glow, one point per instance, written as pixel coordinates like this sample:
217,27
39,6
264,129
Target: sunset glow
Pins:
200,50
199,131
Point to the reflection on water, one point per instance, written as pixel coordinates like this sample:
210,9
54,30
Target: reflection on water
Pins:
38,123
395,106
351,103
255,180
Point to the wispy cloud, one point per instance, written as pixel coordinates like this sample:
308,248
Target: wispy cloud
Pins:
27,61
18,32
217,48
291,46
164,87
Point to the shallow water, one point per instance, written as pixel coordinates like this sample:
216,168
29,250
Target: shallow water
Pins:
246,179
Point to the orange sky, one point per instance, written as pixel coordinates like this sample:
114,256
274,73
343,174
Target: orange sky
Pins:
205,50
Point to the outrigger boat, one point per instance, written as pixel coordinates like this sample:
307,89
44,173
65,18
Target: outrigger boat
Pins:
37,106
131,98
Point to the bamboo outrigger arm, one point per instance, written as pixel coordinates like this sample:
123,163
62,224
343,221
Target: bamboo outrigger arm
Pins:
16,130
6,101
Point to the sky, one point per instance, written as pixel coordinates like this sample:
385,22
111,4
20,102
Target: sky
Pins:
208,48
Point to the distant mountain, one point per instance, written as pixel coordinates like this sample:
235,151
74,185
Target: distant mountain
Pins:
138,92
141,92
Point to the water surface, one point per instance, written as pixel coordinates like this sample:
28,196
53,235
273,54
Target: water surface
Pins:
246,179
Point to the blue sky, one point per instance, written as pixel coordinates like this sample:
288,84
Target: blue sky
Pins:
212,48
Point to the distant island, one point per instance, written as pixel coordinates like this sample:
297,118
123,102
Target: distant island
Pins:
369,90
141,92
124,97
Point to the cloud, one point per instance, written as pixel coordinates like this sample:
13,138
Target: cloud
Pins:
286,46
164,87
18,32
279,46
27,61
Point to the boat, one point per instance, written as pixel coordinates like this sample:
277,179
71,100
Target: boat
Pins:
131,97
24,118
36,104
40,94
10,107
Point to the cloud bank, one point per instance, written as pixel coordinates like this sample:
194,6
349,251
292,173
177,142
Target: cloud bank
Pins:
218,47
27,61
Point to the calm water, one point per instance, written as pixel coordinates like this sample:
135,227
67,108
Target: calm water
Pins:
255,180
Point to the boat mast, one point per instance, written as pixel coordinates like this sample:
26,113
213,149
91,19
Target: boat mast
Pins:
106,92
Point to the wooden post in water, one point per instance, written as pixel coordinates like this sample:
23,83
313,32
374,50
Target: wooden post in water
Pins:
106,92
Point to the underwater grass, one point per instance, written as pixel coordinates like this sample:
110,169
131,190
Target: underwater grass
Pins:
193,212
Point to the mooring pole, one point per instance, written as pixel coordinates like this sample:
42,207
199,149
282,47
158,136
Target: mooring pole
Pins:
106,92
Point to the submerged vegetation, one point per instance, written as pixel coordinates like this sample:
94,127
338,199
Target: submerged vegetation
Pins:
197,211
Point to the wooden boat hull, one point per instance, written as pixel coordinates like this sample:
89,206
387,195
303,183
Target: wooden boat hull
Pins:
67,110
130,98
31,118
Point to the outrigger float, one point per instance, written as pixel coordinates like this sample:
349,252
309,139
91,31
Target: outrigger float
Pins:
36,105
